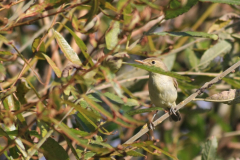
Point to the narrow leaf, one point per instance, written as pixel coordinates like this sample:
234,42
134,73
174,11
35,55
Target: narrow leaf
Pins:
232,2
138,111
81,45
66,49
139,144
187,33
56,70
135,154
160,71
217,50
164,152
172,13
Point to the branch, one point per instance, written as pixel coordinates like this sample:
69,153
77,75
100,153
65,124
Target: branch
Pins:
183,103
41,17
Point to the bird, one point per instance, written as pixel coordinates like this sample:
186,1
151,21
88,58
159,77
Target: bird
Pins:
162,88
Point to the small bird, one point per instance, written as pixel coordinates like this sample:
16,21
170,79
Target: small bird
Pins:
162,88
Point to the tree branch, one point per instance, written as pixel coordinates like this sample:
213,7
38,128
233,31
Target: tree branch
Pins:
183,103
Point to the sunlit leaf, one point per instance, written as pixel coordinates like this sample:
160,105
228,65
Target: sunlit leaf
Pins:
81,45
66,49
56,70
112,35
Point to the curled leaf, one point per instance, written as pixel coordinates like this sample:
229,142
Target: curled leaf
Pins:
230,97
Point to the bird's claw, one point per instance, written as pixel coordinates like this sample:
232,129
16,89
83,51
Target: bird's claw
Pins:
172,111
151,126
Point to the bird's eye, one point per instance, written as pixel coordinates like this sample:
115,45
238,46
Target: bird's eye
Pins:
153,62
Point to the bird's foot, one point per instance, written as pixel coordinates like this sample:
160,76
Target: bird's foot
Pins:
151,126
175,115
172,111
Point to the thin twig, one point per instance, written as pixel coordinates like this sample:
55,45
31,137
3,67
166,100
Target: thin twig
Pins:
41,17
183,103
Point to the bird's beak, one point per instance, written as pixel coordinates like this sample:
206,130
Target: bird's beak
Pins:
139,61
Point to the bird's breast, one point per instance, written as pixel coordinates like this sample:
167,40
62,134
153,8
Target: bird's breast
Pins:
162,90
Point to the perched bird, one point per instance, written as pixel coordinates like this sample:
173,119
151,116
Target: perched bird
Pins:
162,88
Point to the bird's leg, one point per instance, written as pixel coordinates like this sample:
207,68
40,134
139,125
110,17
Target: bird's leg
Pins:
151,126
172,111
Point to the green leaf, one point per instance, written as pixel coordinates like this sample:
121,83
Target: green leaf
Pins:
210,149
114,97
7,93
135,154
187,33
7,56
108,5
217,50
56,70
71,146
233,82
80,141
150,4
81,45
112,35
16,132
164,152
53,151
35,44
93,11
160,71
82,110
127,16
172,13
138,111
66,49
232,2
131,102
175,4
3,39
139,144
192,59
22,89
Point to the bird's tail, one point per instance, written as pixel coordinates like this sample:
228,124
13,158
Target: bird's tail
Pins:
175,116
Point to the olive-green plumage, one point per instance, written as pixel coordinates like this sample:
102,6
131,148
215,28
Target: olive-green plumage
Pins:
162,88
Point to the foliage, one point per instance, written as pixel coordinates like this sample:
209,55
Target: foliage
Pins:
67,94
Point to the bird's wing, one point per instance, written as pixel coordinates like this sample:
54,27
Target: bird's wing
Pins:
175,83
